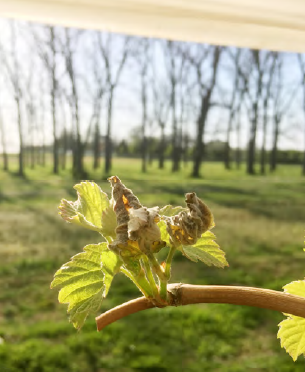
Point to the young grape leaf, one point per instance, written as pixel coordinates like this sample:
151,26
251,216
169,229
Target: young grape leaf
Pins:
85,281
169,210
295,288
109,222
87,210
292,330
205,250
164,234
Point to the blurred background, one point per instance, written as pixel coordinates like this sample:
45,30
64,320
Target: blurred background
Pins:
167,118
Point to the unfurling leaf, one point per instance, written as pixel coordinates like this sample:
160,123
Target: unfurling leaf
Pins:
85,281
206,250
109,221
135,223
169,210
164,233
292,330
87,210
188,226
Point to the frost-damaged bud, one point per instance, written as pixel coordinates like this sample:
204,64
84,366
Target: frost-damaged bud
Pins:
137,227
143,224
187,226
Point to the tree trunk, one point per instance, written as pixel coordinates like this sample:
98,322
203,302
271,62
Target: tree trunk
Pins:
55,140
303,168
96,146
205,106
175,149
144,121
21,150
3,142
43,152
79,155
254,119
53,102
263,149
108,143
162,147
32,129
150,151
273,157
64,149
227,150
185,149
251,147
238,151
199,143
32,156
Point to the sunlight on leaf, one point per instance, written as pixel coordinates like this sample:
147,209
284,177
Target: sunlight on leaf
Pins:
87,210
292,330
292,335
206,250
109,222
85,281
169,210
164,234
296,288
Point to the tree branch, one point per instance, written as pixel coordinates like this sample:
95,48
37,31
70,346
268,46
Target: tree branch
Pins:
186,294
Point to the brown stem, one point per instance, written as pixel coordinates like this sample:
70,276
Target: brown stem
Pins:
186,294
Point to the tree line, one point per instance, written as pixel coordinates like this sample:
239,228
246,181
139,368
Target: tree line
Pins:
187,96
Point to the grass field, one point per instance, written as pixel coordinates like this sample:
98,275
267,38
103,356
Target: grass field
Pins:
260,224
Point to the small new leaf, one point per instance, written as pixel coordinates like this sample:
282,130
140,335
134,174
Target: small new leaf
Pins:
85,281
169,210
87,210
292,330
164,234
206,250
109,222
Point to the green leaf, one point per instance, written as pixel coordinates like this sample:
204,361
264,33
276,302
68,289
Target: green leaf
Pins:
109,222
169,210
206,250
295,288
164,234
87,210
85,281
292,335
292,330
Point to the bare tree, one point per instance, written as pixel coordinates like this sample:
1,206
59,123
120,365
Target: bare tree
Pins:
302,67
206,84
68,50
142,57
258,66
266,99
41,126
260,61
12,67
3,143
175,58
99,90
233,105
31,114
64,133
47,50
161,111
114,68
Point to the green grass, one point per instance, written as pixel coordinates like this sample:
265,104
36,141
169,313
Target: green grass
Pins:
259,223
